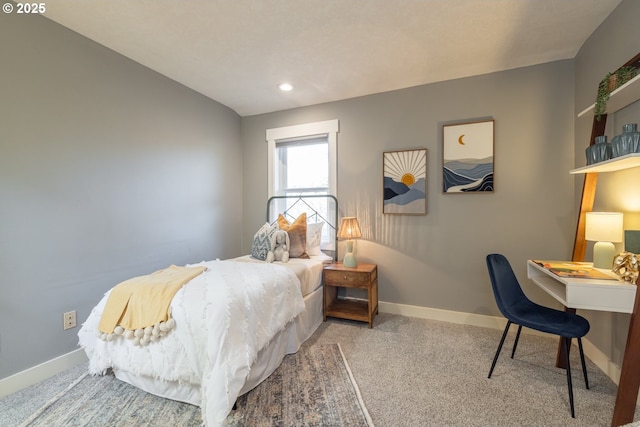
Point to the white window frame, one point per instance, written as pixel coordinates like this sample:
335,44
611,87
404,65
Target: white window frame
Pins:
328,128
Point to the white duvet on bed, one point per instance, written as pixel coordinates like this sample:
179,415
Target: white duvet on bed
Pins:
308,270
224,317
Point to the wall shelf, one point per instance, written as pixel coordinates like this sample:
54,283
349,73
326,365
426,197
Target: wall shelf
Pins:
626,94
619,163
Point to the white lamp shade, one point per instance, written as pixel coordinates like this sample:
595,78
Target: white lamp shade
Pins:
604,227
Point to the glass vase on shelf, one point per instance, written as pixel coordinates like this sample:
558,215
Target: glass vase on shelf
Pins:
615,147
631,134
627,142
599,151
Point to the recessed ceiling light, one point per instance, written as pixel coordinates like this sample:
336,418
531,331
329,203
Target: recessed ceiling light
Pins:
285,87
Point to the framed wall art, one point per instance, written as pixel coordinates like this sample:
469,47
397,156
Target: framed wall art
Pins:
405,182
467,162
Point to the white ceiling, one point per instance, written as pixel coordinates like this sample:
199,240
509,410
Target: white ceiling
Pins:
237,51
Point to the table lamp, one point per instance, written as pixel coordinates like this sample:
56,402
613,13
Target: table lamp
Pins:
603,228
349,229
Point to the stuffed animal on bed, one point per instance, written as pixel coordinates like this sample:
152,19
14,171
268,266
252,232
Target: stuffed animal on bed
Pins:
279,247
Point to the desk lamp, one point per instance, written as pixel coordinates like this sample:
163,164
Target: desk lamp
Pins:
603,228
349,229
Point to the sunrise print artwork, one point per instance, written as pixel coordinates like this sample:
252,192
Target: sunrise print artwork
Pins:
405,182
467,163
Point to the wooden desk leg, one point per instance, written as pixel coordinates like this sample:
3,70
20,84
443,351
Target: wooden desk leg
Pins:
630,373
560,359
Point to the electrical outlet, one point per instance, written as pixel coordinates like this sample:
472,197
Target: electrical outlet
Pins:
69,320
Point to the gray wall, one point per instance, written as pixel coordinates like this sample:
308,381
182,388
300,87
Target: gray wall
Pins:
615,42
437,260
107,170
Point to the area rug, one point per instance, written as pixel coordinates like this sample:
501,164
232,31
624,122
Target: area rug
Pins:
313,387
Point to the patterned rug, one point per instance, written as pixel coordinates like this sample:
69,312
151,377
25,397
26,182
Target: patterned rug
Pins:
313,387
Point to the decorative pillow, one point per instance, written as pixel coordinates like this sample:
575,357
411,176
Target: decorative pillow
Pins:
262,241
314,235
297,235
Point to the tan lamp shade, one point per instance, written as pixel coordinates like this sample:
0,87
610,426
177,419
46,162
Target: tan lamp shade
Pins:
349,228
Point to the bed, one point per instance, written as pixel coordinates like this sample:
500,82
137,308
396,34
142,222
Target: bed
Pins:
234,322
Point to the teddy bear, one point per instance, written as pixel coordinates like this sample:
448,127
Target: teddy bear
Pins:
279,247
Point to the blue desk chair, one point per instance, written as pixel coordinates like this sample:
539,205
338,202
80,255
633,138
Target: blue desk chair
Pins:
518,309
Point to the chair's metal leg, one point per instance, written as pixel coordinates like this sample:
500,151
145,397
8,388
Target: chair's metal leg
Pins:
584,366
515,344
566,342
495,358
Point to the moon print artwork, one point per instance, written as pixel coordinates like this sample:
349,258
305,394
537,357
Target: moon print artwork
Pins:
405,182
467,162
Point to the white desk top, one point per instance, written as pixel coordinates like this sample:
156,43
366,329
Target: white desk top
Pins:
590,294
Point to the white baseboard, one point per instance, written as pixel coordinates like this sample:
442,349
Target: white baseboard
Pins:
40,372
603,362
592,352
443,315
48,369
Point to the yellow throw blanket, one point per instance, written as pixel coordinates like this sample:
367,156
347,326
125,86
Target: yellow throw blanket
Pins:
144,301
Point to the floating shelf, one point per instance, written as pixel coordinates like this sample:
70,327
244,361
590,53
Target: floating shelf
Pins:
626,94
617,164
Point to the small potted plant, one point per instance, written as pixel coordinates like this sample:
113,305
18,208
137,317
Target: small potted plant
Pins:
609,83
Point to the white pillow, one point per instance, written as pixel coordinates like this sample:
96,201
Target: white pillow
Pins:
262,241
314,236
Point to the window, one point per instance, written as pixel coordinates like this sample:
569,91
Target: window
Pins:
302,159
301,167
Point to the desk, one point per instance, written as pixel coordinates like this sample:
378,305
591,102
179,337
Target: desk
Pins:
603,295
588,294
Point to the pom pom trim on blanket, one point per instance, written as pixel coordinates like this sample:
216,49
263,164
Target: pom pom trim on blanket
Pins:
141,336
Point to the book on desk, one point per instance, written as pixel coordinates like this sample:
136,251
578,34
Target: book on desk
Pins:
575,270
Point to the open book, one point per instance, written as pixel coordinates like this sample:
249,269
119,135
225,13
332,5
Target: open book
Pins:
576,270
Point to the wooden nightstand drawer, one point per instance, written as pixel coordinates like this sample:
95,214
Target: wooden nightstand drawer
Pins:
347,279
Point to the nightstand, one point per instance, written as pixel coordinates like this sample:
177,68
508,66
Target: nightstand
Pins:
363,276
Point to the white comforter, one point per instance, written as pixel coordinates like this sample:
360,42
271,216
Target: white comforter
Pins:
224,317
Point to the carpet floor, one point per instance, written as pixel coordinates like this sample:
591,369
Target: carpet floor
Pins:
419,372
313,387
